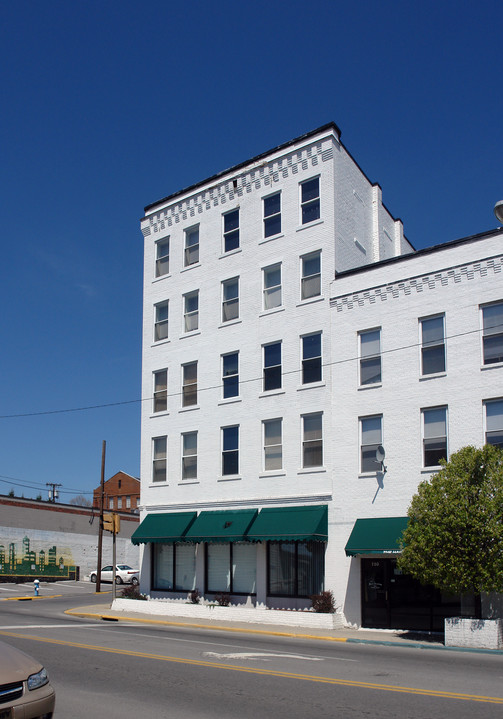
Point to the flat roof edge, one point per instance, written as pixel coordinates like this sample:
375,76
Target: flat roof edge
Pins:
235,168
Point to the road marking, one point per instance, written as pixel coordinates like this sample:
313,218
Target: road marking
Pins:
260,655
49,626
25,599
268,672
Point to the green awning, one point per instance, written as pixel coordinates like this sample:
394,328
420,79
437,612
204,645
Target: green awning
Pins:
221,526
163,528
376,536
290,523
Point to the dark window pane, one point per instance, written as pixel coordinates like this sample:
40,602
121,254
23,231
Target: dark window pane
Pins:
493,349
272,378
272,226
231,435
370,371
272,205
434,451
231,221
231,386
310,190
311,346
311,370
230,462
272,354
433,359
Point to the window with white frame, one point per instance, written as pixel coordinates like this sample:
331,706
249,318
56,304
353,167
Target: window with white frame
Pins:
162,257
272,215
128,502
159,456
231,231
272,286
492,329
160,390
312,440
310,283
230,299
370,439
191,254
494,422
191,311
110,503
273,447
189,455
310,200
434,436
311,358
230,375
119,502
174,567
432,345
370,356
272,366
231,567
189,384
230,450
161,321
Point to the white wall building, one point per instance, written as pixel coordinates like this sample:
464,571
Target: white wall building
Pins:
250,482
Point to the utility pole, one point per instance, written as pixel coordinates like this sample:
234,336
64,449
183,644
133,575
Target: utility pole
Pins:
100,531
53,493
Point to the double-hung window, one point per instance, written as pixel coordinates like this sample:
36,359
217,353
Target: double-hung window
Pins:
231,567
174,567
191,311
273,448
370,357
272,286
434,436
189,384
310,200
272,215
230,450
160,391
311,358
191,256
161,321
189,455
312,440
310,283
231,231
230,299
230,375
494,422
370,439
272,366
432,345
295,569
162,258
159,456
492,338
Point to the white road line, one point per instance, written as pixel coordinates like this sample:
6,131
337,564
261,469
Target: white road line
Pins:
265,656
47,626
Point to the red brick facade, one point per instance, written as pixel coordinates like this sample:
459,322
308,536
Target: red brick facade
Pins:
122,493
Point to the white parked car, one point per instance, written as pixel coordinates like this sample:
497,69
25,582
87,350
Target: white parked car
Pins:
124,574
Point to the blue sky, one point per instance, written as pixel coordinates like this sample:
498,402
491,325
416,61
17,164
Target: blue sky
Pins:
108,106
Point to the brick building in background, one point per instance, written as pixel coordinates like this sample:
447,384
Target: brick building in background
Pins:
122,493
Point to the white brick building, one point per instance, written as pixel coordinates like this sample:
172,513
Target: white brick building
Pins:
250,482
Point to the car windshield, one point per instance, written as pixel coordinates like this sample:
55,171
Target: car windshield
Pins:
123,566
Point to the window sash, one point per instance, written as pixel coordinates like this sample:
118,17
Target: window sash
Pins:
433,345
160,391
272,287
230,375
272,367
161,322
189,388
189,455
371,438
162,258
159,456
492,321
272,215
434,436
273,449
310,200
230,450
230,301
311,358
312,444
231,231
311,276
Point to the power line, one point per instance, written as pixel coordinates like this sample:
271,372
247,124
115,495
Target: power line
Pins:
218,386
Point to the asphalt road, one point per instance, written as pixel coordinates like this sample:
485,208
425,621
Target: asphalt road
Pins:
113,669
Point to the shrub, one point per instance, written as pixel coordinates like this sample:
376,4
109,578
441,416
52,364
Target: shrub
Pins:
323,603
194,596
132,592
223,599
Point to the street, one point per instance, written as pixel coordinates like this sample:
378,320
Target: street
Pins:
107,669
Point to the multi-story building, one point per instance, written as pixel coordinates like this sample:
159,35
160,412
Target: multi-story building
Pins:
272,294
121,493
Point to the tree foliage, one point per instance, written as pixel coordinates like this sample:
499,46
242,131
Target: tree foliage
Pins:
454,539
80,501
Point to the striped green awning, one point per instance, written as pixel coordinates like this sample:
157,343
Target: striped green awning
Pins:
376,536
221,526
163,528
290,524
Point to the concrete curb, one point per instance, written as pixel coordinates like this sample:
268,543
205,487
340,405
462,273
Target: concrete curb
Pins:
106,616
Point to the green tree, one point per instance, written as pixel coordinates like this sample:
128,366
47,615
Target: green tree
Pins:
454,539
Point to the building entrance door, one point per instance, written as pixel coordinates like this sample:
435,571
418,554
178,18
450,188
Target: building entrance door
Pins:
392,600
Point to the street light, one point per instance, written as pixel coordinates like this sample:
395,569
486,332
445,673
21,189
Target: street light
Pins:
498,211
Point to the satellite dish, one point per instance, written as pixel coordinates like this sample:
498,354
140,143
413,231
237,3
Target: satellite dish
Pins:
498,211
380,453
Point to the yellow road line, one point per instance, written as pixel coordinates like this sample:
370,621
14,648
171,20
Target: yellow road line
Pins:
21,599
268,672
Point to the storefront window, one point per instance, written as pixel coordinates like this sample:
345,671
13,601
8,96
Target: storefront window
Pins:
231,567
295,569
174,567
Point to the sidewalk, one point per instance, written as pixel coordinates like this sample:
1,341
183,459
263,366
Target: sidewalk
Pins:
381,637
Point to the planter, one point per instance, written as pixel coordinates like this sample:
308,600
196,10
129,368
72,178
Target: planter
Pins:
474,633
207,612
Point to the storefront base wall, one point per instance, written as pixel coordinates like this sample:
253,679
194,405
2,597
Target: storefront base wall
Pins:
474,633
